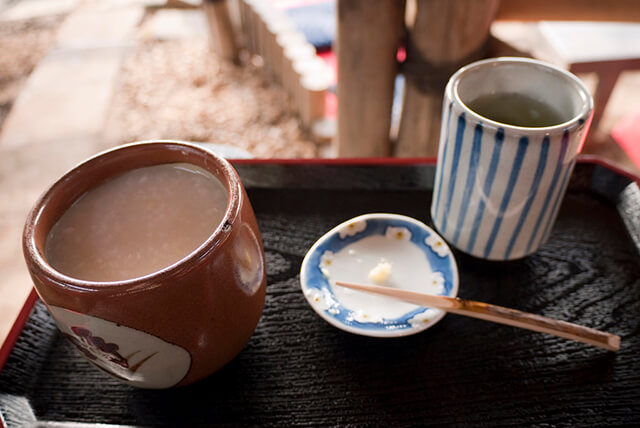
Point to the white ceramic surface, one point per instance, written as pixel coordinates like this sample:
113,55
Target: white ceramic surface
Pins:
498,187
419,260
133,356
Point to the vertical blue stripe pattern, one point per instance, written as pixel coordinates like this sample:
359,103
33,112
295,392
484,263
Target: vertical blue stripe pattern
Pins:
498,190
471,180
488,183
462,123
551,190
556,204
513,178
542,162
445,143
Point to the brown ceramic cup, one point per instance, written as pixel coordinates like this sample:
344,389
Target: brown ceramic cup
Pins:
174,326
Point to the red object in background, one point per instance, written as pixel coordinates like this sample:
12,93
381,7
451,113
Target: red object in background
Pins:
402,54
331,106
330,58
627,134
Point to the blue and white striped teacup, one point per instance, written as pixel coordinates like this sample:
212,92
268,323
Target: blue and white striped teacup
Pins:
498,186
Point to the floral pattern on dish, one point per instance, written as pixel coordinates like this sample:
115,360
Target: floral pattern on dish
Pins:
398,233
437,244
351,228
437,283
363,317
423,318
326,260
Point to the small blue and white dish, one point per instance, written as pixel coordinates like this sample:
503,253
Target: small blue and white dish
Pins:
379,249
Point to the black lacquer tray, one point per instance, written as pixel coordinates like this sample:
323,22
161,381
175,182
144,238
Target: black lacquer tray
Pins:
299,370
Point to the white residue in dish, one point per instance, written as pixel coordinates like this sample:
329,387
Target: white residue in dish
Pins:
383,261
381,272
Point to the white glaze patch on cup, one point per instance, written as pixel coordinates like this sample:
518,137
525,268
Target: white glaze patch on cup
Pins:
133,356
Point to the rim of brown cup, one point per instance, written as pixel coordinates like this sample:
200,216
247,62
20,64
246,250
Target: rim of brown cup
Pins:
104,166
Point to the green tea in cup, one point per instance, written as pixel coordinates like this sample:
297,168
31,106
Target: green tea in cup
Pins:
517,109
512,129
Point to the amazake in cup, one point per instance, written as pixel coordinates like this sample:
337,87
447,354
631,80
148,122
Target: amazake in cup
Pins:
170,327
499,186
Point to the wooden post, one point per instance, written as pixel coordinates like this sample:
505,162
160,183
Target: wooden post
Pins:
279,23
314,84
250,17
236,21
303,67
283,40
446,35
368,34
292,53
221,32
261,9
243,11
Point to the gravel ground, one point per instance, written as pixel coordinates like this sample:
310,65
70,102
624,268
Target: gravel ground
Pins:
22,45
170,90
180,90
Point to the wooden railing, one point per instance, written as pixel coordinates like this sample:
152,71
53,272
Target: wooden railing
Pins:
440,36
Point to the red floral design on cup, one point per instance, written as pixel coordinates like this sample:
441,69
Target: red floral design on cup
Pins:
96,348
